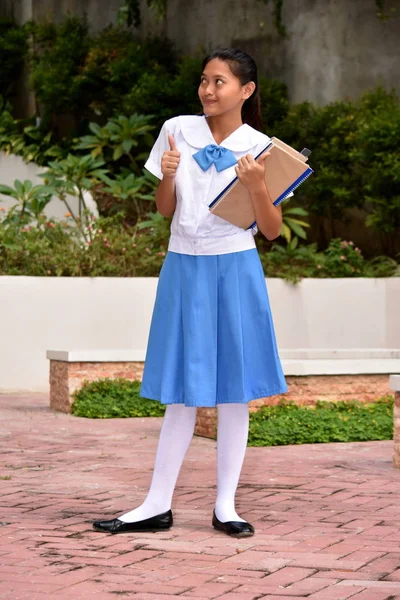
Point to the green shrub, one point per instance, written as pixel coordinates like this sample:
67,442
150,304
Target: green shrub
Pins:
376,154
355,159
114,249
107,398
274,103
79,75
166,95
13,51
326,422
52,248
278,425
56,63
341,259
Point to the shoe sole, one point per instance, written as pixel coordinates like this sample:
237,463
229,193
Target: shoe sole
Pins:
235,535
132,530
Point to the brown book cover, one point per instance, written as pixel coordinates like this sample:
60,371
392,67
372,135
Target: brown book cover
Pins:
285,170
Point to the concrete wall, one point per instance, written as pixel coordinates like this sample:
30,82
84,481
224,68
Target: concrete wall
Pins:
38,314
100,12
336,49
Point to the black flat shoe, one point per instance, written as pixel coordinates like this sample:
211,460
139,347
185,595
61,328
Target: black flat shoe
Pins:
233,528
158,523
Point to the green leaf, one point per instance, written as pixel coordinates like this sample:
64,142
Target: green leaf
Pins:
118,152
297,229
19,186
8,191
286,232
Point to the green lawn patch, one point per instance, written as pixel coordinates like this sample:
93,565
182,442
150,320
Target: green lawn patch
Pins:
112,398
278,425
325,422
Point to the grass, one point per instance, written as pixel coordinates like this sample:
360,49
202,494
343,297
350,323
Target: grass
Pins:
278,425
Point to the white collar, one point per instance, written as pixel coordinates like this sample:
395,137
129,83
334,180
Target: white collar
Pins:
197,133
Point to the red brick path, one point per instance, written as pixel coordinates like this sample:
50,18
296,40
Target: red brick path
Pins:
326,516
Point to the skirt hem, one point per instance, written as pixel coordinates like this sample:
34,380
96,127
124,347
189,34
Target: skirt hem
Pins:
222,400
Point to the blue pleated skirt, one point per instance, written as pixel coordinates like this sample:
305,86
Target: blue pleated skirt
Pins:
212,337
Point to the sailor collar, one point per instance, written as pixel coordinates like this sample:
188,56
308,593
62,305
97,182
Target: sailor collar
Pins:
197,133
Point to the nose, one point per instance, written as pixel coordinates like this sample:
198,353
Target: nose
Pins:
208,89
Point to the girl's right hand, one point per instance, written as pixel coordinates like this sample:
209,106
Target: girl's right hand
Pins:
170,159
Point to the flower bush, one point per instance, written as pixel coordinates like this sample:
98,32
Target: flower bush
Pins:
115,249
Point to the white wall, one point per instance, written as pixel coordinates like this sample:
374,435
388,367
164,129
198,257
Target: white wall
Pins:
13,167
37,314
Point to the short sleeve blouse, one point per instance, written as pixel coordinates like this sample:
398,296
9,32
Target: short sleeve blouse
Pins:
194,229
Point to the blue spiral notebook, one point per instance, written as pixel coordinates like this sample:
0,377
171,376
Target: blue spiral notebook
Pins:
285,170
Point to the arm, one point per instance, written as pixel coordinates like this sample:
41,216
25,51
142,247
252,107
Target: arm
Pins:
165,195
251,174
268,216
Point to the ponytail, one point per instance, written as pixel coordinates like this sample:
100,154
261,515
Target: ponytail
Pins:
251,110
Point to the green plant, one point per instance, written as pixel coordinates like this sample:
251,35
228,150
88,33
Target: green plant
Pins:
343,259
129,191
377,158
291,223
120,136
29,141
79,77
166,94
326,422
106,398
274,102
55,248
291,262
73,175
31,201
58,55
13,51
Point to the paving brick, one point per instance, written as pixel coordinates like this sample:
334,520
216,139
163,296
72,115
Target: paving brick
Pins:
336,593
211,590
326,516
287,576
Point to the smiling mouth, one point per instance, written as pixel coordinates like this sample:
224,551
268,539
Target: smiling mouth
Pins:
209,101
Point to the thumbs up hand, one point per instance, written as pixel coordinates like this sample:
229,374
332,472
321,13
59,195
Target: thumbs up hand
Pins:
170,158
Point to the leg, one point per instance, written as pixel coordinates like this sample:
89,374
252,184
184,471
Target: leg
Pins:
175,437
233,429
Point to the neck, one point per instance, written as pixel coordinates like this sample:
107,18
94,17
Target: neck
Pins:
223,125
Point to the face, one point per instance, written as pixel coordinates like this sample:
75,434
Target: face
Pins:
220,91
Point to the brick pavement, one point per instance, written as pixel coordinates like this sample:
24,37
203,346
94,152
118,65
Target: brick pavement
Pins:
326,516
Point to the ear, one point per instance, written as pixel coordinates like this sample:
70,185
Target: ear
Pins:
248,89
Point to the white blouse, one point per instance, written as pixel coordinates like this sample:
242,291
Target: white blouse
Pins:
194,229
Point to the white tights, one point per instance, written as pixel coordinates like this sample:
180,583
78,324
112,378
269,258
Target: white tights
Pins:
175,437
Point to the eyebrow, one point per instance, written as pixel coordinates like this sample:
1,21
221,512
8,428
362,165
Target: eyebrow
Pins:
217,76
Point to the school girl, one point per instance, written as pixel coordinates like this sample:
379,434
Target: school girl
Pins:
212,340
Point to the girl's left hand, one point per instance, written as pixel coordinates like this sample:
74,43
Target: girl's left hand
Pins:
251,172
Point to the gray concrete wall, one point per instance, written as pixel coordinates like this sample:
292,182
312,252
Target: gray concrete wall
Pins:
336,49
100,12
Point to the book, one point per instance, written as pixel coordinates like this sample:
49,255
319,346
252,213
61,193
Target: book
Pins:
285,170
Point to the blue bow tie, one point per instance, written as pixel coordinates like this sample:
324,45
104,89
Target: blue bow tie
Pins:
221,157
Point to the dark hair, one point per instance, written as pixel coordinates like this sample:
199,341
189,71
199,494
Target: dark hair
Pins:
245,69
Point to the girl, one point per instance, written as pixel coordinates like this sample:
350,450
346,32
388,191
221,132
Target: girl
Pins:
212,340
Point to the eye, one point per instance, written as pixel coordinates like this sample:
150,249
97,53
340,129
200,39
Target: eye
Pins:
219,81
202,80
